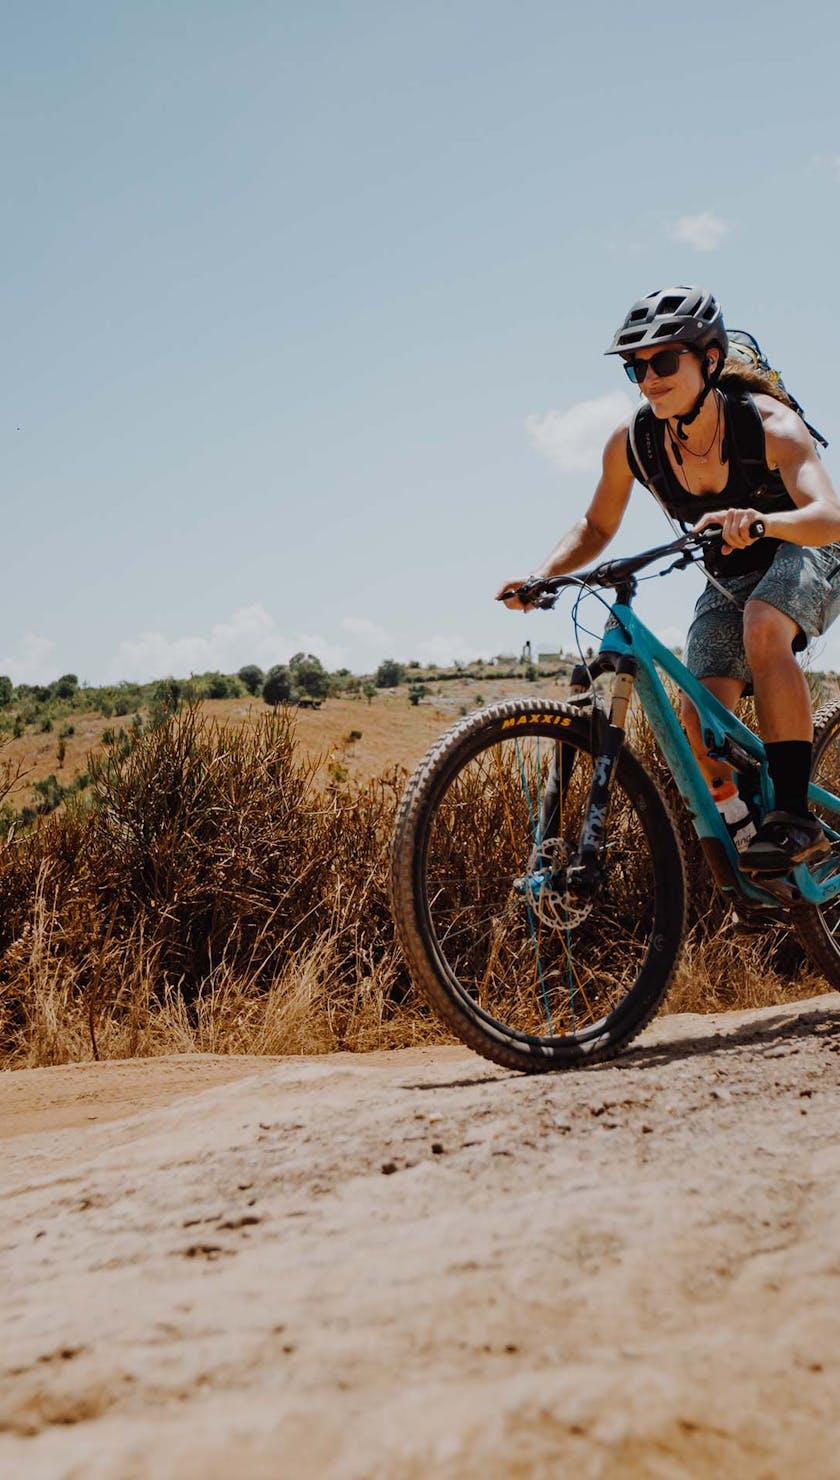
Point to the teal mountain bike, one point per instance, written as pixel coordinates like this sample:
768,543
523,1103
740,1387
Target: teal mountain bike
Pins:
537,876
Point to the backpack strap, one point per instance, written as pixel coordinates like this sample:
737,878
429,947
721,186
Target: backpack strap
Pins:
645,460
744,439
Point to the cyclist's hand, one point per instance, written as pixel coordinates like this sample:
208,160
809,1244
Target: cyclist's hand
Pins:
510,599
736,527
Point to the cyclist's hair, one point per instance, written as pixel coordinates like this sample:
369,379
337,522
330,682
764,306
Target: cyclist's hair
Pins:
736,374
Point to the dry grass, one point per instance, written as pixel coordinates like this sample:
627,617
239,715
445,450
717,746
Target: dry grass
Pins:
217,891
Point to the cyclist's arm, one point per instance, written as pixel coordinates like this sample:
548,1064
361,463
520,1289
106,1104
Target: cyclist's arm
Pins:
591,534
790,449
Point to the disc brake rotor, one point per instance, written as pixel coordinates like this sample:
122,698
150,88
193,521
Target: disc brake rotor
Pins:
544,890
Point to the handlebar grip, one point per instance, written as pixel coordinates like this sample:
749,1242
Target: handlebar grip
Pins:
758,529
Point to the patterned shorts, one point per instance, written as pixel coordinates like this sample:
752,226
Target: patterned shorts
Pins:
802,583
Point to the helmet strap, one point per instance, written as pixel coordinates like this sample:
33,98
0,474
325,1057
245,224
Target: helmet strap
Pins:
692,415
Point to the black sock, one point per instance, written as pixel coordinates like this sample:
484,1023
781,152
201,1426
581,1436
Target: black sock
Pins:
789,763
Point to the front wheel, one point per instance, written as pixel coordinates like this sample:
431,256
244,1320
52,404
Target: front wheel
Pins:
525,967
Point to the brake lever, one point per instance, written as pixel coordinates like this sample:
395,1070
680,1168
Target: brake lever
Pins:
544,602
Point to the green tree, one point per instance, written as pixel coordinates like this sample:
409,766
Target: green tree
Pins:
369,690
65,687
277,687
417,692
389,674
309,675
6,690
215,686
252,677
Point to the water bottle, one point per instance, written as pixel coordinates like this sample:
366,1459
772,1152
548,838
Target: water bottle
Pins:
737,816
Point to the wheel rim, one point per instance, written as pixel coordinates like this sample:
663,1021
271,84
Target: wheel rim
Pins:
534,962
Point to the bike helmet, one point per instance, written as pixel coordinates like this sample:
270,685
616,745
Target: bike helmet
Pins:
678,315
672,316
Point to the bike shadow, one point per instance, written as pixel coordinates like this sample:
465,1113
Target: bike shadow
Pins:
784,1026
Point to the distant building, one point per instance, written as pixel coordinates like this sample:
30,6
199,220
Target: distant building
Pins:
554,659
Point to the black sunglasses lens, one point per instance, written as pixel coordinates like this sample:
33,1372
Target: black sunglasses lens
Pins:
666,362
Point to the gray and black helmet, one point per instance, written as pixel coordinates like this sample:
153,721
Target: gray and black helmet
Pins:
672,316
678,315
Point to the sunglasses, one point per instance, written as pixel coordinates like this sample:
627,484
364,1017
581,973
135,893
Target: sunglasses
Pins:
664,362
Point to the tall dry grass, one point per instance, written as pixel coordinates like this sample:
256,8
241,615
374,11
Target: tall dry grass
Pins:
210,893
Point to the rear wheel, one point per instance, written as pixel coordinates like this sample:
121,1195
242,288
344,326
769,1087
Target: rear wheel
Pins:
818,926
522,968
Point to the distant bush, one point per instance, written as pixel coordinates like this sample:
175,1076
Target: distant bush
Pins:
166,696
251,677
6,690
389,674
277,687
216,686
65,687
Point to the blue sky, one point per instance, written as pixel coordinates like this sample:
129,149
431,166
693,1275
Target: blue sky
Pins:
305,306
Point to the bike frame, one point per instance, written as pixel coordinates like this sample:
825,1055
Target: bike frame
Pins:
631,638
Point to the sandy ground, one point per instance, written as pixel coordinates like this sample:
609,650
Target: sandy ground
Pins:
417,1265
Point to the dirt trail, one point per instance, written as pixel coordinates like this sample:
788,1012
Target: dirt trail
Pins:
414,1264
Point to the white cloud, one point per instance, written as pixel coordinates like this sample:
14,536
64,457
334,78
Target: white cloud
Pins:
444,649
574,439
830,162
367,633
34,662
251,636
703,232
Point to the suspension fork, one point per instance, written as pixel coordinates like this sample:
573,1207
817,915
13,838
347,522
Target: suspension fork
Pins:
559,776
585,872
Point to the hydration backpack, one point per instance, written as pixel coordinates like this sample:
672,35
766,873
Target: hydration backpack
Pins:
745,347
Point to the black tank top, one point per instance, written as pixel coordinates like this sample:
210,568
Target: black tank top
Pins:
750,484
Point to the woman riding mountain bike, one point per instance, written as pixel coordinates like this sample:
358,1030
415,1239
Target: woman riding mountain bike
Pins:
720,444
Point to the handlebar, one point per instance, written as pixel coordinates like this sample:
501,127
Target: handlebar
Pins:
542,592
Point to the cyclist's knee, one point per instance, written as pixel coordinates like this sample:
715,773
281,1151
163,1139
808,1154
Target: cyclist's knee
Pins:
768,634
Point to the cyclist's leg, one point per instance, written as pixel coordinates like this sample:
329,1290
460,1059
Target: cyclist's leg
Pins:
728,691
714,653
782,696
791,604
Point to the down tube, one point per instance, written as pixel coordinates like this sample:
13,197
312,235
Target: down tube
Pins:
663,721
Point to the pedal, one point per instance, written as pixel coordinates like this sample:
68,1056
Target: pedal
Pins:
780,886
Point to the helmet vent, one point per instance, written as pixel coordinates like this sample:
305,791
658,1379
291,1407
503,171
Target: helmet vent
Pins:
669,305
669,331
637,314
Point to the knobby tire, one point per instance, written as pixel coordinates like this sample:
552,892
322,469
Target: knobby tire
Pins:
534,983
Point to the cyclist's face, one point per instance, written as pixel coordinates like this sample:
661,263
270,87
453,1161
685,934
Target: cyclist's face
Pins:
671,395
